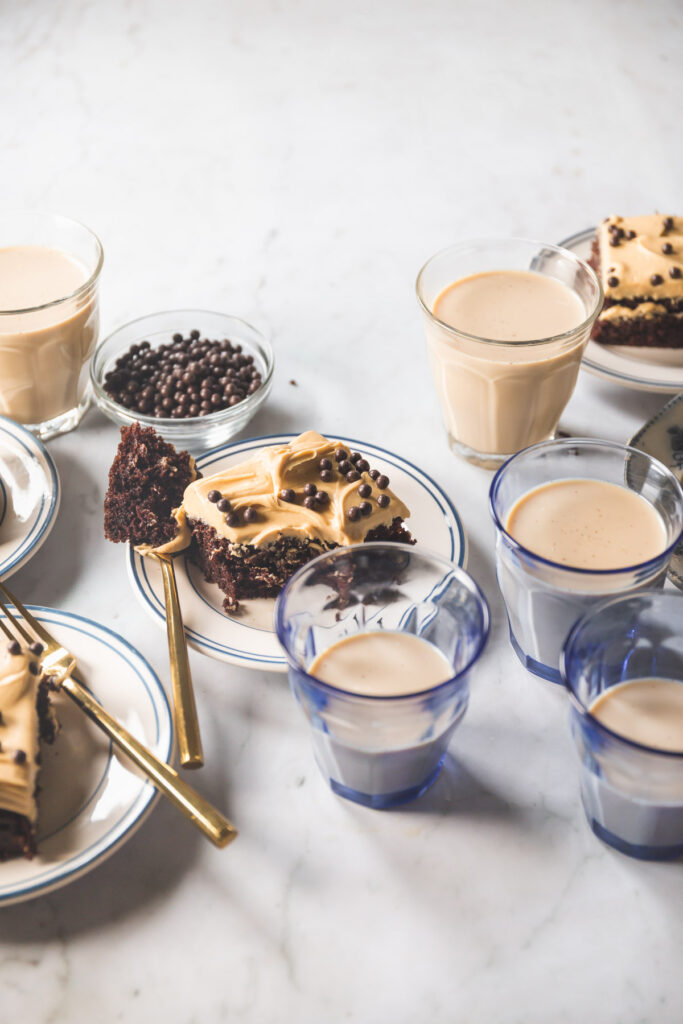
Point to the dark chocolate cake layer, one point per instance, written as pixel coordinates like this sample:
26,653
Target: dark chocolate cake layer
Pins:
146,482
244,571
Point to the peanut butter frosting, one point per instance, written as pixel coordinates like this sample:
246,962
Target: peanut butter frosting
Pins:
18,733
641,257
643,309
258,485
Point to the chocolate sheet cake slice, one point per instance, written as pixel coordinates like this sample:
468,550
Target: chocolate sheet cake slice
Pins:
253,525
640,264
26,718
147,481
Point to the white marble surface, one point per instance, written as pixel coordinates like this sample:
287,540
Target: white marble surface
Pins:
295,163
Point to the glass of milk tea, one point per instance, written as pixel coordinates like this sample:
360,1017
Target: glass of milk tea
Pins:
381,640
578,520
623,667
507,321
49,319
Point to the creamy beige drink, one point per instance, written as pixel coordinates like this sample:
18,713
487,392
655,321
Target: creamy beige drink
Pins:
500,398
587,524
43,351
382,664
506,323
647,711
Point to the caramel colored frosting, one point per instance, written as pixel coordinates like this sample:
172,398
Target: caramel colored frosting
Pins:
18,732
258,482
637,264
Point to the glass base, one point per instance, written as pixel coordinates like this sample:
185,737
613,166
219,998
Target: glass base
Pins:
61,424
490,460
385,801
552,675
634,850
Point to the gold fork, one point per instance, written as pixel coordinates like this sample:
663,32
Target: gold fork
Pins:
58,662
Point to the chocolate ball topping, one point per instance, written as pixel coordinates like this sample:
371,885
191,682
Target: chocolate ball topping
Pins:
325,464
214,496
373,473
19,757
340,455
383,500
355,457
613,281
352,476
667,248
232,519
187,377
365,508
382,482
668,223
674,272
656,279
309,501
353,513
365,490
345,466
630,234
362,465
309,490
327,476
322,497
36,648
33,668
224,505
14,647
287,494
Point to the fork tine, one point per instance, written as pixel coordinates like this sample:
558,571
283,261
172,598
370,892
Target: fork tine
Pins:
8,633
37,628
15,622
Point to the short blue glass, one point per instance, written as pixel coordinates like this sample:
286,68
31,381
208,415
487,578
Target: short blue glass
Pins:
381,751
544,599
632,794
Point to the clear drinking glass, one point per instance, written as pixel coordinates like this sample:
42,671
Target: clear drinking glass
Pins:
632,794
543,598
381,751
499,397
45,349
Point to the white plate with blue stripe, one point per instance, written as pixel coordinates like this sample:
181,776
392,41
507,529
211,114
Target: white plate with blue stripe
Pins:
29,495
248,639
91,798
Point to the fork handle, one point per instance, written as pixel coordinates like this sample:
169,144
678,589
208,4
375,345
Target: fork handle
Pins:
200,812
186,721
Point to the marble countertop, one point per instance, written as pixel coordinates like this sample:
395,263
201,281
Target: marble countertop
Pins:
295,163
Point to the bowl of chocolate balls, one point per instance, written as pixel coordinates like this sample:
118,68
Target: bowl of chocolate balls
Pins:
196,377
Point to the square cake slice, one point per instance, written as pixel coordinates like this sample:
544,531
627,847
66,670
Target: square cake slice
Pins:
640,264
26,718
254,524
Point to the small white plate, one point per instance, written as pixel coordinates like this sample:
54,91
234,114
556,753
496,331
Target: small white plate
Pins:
248,639
91,800
29,495
644,369
662,438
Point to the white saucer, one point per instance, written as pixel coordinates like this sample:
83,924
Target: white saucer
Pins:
644,369
249,640
29,495
91,802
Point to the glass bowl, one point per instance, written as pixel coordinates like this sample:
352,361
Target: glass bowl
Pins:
194,433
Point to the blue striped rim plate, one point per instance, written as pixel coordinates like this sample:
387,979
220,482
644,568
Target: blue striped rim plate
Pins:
29,495
90,803
248,639
647,369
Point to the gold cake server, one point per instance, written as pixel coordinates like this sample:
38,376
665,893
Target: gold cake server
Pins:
58,662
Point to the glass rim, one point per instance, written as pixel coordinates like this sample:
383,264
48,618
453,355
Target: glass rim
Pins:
461,574
104,401
593,443
574,698
82,288
554,338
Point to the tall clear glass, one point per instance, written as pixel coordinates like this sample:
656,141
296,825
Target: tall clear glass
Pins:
499,397
381,751
543,598
632,794
45,349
